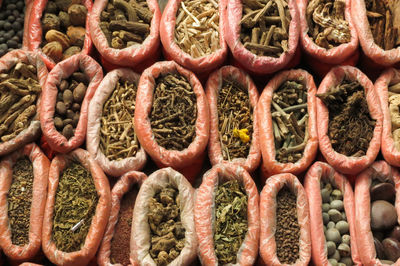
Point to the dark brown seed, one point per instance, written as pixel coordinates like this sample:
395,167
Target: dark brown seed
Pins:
383,191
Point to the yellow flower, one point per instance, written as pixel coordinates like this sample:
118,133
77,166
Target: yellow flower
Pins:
243,134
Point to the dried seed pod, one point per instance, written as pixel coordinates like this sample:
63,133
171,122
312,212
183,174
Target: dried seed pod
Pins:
68,131
71,51
77,14
57,36
60,108
79,93
76,35
50,22
58,122
64,19
53,50
67,97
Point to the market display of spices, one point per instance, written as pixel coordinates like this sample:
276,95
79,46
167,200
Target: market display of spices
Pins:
63,27
126,23
12,15
230,226
69,100
19,91
287,233
383,17
235,120
384,225
75,205
326,21
174,112
265,27
290,121
166,229
350,126
197,27
336,227
19,200
117,134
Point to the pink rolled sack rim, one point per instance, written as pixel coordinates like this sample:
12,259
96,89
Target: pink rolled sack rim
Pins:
252,62
347,164
103,92
214,84
268,219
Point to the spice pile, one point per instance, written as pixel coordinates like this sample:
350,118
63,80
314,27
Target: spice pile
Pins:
117,135
19,199
19,90
63,26
174,112
12,15
265,27
384,21
197,27
290,121
69,99
287,233
125,23
166,229
235,120
230,226
74,207
385,229
336,227
394,104
326,22
120,244
351,127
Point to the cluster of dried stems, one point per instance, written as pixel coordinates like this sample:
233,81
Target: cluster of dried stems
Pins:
117,134
19,90
265,27
290,120
197,27
384,20
394,104
326,21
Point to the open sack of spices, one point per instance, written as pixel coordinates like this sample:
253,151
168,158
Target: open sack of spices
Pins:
328,35
22,76
59,29
288,123
234,137
126,33
378,28
377,210
263,35
163,231
172,118
388,90
23,190
349,120
69,89
111,137
227,216
332,217
77,209
192,34
284,222
115,247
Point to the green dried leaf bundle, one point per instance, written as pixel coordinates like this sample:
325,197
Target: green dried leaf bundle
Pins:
19,200
230,225
75,205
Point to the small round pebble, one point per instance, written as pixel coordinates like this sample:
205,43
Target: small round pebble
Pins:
337,194
325,217
326,207
343,227
331,225
336,255
337,204
347,261
344,250
335,215
333,262
331,247
346,239
332,234
325,194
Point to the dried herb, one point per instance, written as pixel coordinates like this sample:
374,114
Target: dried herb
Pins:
235,120
197,27
19,90
166,229
117,135
120,244
290,121
75,205
265,27
126,23
326,21
394,103
71,93
351,127
230,226
19,199
287,232
174,112
384,21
